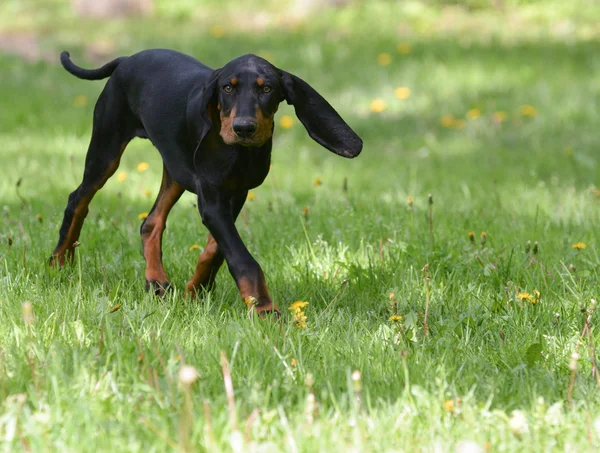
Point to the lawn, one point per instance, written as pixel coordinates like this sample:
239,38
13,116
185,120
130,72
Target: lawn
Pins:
451,270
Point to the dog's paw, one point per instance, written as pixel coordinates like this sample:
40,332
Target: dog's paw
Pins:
158,288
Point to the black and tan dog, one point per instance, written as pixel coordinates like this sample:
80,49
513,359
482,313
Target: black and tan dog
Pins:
213,129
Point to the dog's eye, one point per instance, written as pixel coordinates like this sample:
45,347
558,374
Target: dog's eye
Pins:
267,89
227,89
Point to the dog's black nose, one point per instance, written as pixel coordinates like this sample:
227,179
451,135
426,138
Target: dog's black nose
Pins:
244,128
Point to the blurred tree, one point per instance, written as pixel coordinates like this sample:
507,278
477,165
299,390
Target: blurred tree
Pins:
112,8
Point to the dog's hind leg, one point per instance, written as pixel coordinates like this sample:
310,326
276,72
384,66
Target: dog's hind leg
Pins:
152,231
113,128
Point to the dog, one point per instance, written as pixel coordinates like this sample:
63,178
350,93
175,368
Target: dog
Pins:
213,129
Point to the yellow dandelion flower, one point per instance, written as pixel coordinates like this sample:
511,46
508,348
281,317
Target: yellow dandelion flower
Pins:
392,296
449,405
447,120
404,48
298,305
300,320
80,101
410,201
317,182
250,301
147,192
377,105
384,59
142,167
305,211
143,215
499,116
473,114
194,247
536,296
579,246
217,31
471,236
528,110
286,122
402,92
39,217
460,124
395,318
524,296
251,196
121,176
294,362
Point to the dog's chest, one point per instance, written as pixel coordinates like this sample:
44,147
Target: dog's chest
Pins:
249,170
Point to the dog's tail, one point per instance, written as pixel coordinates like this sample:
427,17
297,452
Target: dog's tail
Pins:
89,74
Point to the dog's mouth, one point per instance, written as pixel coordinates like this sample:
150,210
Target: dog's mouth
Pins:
249,142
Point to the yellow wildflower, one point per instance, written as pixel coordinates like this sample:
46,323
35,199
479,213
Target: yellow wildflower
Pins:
286,122
142,215
471,236
473,114
528,110
147,192
384,59
402,92
294,362
377,105
251,196
579,246
217,31
410,201
250,301
317,182
524,296
404,48
300,320
395,318
447,120
194,247
121,176
499,116
80,101
449,405
298,306
39,217
143,166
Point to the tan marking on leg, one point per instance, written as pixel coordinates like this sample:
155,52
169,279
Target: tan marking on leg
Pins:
153,228
258,290
65,251
208,265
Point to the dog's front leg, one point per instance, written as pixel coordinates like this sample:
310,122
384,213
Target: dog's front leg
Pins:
216,210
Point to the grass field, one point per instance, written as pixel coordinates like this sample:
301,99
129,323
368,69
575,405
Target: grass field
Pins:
493,112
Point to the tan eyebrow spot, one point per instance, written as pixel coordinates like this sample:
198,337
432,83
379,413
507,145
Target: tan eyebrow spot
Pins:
234,81
260,81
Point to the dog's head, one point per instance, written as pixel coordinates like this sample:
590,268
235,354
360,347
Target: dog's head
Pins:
246,93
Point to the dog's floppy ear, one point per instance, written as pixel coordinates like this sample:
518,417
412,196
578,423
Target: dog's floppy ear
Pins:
322,122
198,116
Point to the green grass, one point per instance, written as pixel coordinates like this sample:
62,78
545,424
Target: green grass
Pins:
80,376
